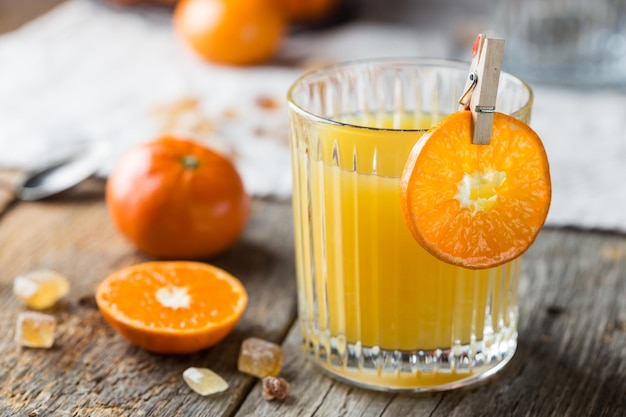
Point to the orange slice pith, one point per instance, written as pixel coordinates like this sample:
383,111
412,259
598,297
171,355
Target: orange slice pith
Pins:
172,307
476,206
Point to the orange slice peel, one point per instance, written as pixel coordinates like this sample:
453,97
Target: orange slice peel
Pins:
176,307
476,206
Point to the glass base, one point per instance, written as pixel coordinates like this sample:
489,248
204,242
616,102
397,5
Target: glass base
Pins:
411,371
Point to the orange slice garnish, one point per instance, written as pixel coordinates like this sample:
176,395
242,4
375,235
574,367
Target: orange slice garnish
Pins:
476,206
172,307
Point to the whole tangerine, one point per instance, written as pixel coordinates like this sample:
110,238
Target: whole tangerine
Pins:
174,198
237,32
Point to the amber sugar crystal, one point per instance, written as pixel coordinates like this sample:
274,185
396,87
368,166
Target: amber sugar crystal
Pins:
40,289
204,381
35,330
260,358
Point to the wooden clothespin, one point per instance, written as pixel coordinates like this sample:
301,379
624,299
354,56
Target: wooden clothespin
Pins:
482,86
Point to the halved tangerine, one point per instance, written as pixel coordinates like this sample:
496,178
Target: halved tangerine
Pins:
172,307
476,206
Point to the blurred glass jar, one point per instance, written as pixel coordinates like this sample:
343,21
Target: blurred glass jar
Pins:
567,42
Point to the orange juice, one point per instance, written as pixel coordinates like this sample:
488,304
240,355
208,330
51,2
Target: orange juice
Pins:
376,309
376,285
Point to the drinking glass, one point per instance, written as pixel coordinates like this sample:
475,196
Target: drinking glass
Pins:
375,309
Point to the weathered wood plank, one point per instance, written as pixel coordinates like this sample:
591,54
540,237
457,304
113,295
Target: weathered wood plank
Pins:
91,371
571,360
312,393
9,180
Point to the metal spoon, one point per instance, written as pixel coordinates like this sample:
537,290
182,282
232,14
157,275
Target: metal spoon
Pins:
62,176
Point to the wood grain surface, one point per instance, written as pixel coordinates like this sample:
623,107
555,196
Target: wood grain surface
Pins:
571,360
91,371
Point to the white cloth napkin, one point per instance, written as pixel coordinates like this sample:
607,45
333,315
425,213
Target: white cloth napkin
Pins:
88,72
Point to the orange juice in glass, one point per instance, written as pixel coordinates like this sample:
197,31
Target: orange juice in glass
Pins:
375,309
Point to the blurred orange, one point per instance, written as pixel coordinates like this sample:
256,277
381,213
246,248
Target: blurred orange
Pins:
131,2
239,32
306,11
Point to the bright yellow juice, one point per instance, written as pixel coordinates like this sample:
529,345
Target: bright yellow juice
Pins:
375,308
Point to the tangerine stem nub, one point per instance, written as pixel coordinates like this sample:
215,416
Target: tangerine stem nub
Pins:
190,161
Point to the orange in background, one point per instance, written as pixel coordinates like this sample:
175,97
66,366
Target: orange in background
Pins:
177,199
134,2
241,32
172,307
476,206
307,11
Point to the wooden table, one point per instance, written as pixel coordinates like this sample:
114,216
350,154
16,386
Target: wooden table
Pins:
571,359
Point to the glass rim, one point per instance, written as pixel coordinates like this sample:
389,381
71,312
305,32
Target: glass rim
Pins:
421,61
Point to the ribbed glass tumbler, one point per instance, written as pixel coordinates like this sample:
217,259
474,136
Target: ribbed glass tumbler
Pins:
375,309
